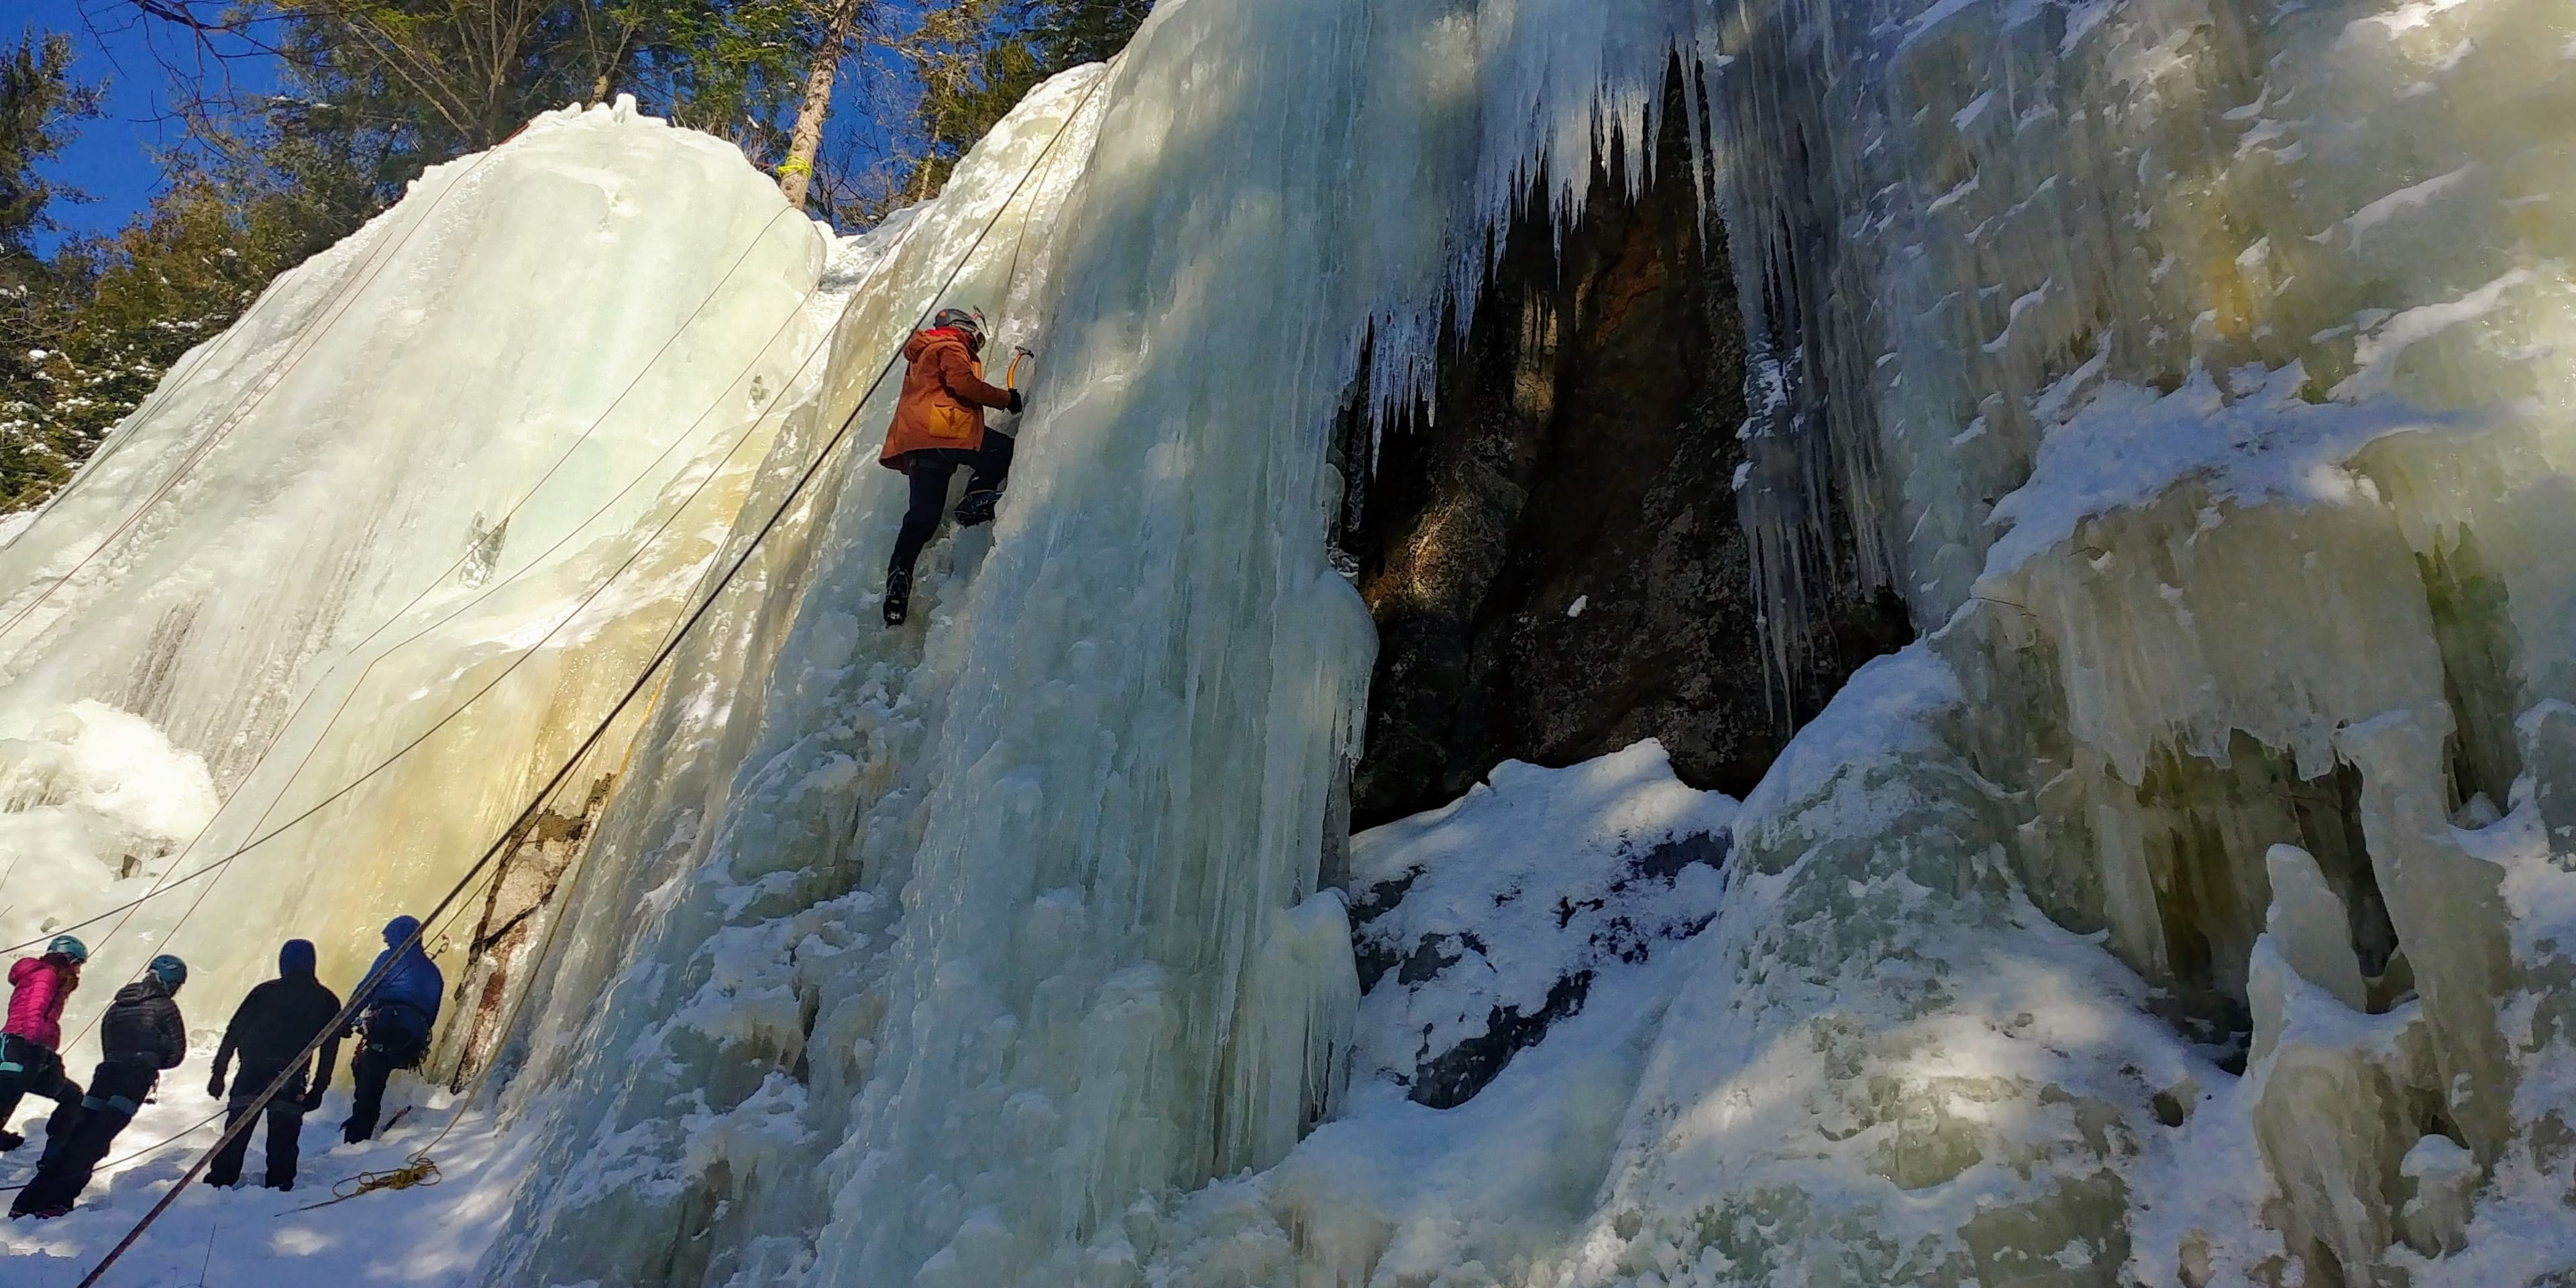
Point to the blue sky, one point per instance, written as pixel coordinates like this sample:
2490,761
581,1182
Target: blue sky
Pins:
115,158
112,159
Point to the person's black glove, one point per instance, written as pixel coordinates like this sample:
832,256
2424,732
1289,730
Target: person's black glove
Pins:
1017,402
215,1086
313,1101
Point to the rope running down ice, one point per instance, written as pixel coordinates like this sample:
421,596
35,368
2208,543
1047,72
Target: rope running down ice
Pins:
252,398
165,884
170,884
661,657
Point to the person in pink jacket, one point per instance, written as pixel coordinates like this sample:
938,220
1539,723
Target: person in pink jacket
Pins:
31,1061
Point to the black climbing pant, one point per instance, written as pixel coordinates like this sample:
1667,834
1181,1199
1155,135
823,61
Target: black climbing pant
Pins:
31,1069
80,1134
285,1136
387,1048
929,470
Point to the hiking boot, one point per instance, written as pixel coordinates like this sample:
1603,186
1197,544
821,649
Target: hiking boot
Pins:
977,507
10,1140
45,1213
898,596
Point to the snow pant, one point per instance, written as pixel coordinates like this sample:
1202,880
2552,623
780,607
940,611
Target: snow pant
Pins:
80,1134
285,1133
929,470
31,1069
388,1047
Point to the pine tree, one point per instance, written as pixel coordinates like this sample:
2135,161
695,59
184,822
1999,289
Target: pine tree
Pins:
40,106
976,59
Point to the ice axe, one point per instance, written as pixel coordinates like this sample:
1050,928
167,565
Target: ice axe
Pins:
1011,373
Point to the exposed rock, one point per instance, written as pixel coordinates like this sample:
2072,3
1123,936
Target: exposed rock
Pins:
1552,554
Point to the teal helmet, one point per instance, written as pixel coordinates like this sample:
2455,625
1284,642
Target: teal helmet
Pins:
171,971
68,946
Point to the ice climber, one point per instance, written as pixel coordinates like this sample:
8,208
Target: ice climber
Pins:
396,1014
141,1035
272,1027
938,426
31,1043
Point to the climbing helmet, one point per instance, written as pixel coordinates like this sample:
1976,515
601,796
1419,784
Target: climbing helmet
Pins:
970,321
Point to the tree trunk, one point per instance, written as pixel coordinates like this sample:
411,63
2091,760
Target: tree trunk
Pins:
798,170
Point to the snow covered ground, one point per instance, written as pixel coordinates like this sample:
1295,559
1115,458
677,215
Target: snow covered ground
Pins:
246,1237
2202,381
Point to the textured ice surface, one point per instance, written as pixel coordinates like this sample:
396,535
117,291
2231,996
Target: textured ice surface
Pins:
485,443
917,957
2198,374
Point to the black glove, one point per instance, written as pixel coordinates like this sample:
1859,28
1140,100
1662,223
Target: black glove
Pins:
313,1101
215,1086
1017,402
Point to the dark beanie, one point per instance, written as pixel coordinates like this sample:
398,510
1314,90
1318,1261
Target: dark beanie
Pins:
295,957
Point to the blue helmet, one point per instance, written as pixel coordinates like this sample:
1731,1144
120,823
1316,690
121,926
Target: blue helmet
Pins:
68,946
171,971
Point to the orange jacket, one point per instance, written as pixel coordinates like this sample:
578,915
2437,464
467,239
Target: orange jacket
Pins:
944,397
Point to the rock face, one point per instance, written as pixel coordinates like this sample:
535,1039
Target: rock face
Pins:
1552,553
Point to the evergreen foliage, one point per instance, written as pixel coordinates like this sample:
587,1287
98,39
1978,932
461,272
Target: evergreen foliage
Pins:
370,92
975,59
39,104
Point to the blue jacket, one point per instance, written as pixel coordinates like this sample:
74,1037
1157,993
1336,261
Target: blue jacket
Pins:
409,991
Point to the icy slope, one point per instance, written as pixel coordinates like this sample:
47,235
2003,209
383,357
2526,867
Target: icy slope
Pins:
484,444
916,957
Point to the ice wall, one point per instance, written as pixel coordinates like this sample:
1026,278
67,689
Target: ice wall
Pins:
2198,373
2190,909
937,947
445,485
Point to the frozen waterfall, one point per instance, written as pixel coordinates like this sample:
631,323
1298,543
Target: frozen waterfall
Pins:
2190,905
445,484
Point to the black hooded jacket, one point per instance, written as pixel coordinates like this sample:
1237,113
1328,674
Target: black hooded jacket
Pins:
142,1027
272,1026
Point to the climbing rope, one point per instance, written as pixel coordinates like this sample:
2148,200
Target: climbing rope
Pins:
661,657
419,1170
169,884
153,1148
251,397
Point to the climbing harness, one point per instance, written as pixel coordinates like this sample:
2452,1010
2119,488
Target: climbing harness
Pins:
421,1168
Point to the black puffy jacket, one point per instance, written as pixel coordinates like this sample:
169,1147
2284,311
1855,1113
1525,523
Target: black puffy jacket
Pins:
273,1026
142,1026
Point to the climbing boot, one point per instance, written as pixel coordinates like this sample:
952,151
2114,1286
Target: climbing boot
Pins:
898,596
977,507
10,1140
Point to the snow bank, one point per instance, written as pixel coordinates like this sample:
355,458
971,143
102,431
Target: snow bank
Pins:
1520,947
